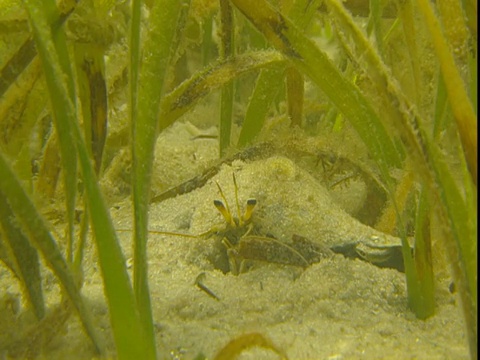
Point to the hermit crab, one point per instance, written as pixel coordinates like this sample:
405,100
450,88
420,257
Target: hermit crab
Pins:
244,242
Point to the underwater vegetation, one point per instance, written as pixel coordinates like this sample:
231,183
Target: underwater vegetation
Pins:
400,75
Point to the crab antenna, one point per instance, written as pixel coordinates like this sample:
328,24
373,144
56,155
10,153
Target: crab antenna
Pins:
249,209
224,208
236,199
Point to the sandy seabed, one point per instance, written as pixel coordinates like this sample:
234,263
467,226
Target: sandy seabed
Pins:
335,309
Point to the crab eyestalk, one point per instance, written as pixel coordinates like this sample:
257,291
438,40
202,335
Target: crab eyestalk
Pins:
224,211
251,203
224,208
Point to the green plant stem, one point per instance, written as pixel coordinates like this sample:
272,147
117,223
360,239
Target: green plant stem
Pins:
459,101
295,94
423,301
25,257
68,157
406,14
207,42
269,82
227,94
267,86
458,215
128,332
303,11
93,95
145,100
134,42
441,109
39,235
22,58
375,22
